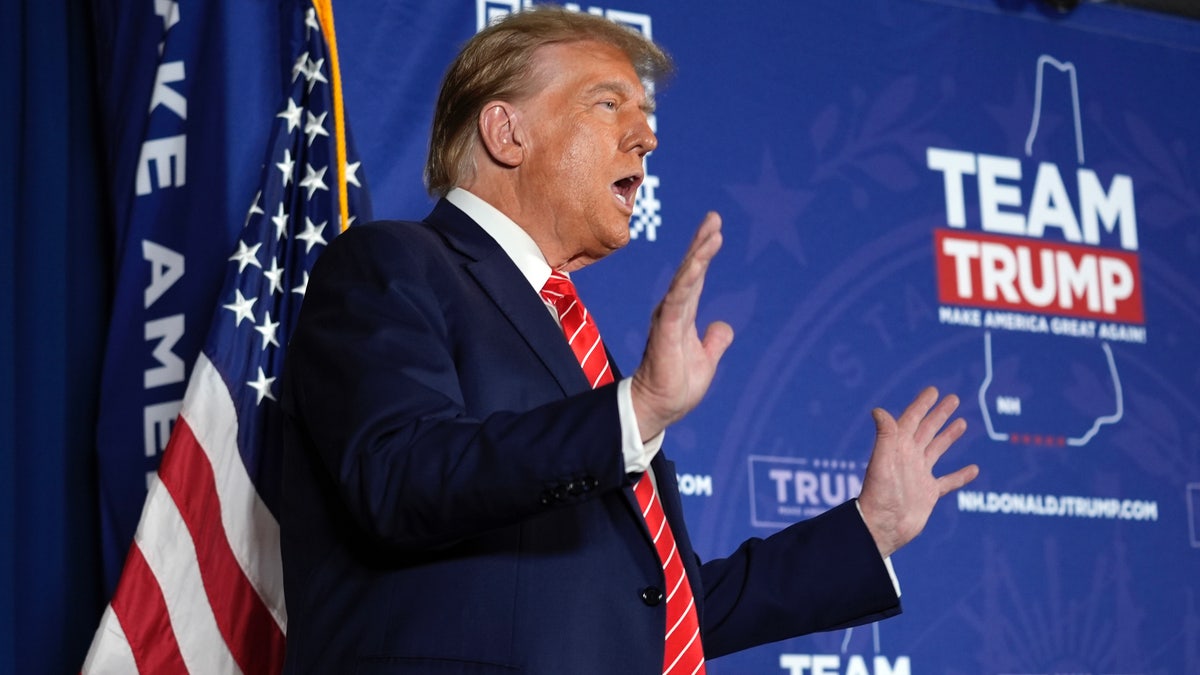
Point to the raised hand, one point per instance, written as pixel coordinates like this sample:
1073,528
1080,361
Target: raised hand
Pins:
678,366
900,490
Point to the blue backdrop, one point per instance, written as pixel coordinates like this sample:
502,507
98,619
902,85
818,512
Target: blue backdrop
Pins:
809,126
974,194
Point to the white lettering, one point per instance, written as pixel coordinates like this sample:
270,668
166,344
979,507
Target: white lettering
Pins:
958,316
831,664
900,667
1072,327
998,180
953,164
1050,206
1038,296
167,331
825,664
1041,277
166,267
157,420
963,251
1120,333
781,477
1008,405
1030,323
1113,208
167,73
169,11
816,489
998,267
1116,283
993,194
806,488
695,485
795,664
834,487
856,666
1065,506
1075,281
167,154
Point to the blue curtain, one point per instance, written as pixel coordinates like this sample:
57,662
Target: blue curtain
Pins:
53,261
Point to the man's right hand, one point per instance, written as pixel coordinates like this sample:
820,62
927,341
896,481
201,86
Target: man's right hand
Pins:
678,366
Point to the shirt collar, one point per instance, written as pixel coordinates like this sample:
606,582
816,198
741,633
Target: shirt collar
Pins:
515,241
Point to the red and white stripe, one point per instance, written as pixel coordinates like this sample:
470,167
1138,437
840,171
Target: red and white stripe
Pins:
579,328
202,588
683,652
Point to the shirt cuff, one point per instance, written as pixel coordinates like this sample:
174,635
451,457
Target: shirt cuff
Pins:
636,453
887,562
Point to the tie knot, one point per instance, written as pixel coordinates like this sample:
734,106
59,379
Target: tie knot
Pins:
578,327
560,292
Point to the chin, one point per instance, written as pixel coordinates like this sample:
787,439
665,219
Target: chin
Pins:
620,238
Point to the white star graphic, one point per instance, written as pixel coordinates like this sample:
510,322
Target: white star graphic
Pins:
262,385
242,308
315,126
281,221
313,180
292,115
303,287
312,73
310,22
349,222
286,166
275,276
254,208
300,67
246,255
312,235
267,330
352,174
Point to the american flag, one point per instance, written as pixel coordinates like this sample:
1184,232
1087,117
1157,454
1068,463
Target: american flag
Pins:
202,586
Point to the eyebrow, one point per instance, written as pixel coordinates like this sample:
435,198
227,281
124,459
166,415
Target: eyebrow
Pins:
623,90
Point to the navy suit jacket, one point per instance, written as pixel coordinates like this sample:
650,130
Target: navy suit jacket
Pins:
455,499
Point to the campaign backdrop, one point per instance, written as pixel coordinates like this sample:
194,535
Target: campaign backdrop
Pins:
985,196
988,197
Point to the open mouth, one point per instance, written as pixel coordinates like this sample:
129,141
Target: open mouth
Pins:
625,189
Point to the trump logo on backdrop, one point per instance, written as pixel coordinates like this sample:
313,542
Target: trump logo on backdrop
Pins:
1045,242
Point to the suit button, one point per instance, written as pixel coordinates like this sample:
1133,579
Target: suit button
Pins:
576,488
559,492
652,596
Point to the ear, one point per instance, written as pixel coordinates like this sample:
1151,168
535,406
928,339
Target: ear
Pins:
499,128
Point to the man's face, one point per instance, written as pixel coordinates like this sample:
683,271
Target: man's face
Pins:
586,133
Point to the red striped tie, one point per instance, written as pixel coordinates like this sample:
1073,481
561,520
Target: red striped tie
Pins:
683,653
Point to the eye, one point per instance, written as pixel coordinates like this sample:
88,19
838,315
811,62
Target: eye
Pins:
608,104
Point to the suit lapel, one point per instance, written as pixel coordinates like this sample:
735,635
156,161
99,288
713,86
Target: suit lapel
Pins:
509,290
504,284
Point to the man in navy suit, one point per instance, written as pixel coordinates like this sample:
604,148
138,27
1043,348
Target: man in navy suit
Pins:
458,497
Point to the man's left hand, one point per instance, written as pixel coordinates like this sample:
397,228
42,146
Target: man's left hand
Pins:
900,490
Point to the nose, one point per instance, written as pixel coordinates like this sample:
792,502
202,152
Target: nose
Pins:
640,137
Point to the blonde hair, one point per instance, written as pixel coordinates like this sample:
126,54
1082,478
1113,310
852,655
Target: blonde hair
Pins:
495,64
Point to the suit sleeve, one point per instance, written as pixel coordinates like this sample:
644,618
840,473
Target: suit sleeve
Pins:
819,574
374,390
